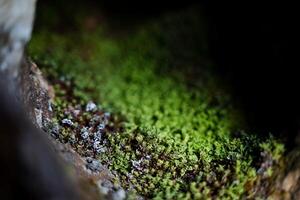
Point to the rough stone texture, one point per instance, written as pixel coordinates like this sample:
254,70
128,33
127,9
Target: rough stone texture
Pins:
36,94
28,161
87,173
287,178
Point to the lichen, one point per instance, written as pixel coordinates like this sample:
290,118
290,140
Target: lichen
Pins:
167,129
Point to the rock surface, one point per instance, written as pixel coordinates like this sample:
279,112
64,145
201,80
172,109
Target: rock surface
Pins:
85,171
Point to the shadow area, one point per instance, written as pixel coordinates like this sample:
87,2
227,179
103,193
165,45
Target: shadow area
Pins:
250,47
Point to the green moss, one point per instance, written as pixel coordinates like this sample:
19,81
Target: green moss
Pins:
176,139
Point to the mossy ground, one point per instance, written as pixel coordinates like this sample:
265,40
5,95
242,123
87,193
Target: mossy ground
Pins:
173,131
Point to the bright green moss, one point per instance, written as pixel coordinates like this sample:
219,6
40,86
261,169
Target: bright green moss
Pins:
177,141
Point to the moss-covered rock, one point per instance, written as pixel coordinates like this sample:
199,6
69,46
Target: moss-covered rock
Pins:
161,121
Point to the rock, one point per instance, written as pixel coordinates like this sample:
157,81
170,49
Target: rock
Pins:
39,117
16,19
67,122
105,186
84,133
32,161
101,127
91,107
98,147
97,136
36,95
93,165
137,164
120,194
290,182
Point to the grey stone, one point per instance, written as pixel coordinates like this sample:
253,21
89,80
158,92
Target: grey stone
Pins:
67,122
84,133
120,194
93,165
91,107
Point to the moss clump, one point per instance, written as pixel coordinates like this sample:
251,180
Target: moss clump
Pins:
175,137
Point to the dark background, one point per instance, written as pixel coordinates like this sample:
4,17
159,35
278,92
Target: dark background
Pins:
250,44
